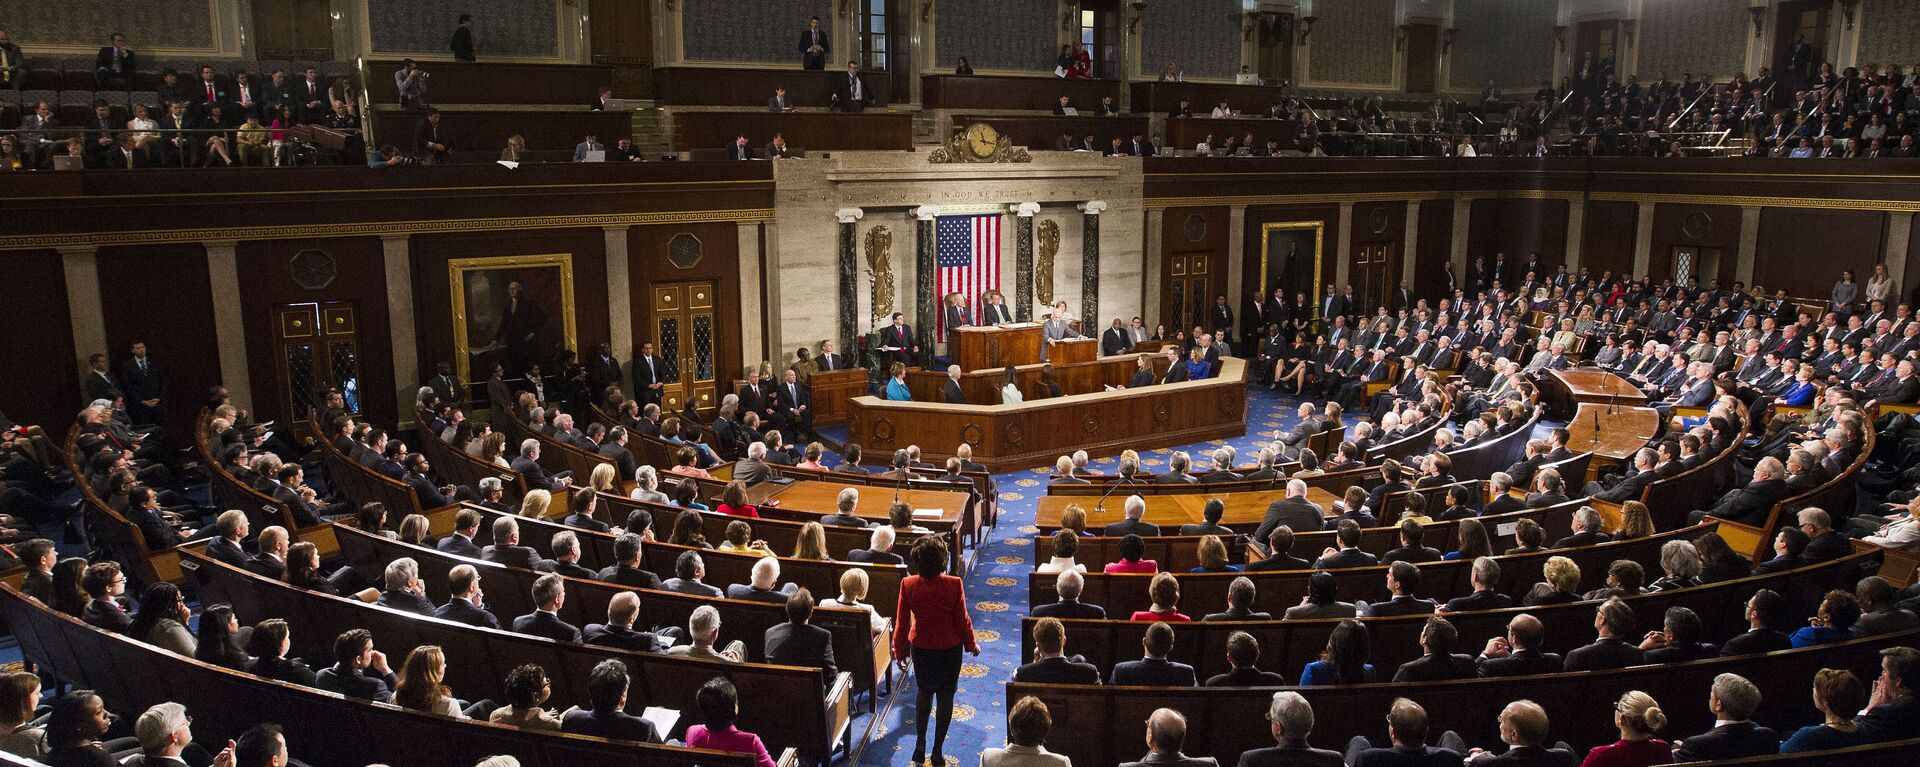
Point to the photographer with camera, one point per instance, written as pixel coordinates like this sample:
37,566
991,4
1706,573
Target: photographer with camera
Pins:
411,81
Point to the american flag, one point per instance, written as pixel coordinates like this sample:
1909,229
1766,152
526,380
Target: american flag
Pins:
967,252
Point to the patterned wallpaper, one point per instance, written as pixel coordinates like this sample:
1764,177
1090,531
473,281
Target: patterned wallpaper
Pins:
1890,33
1508,41
1202,36
1352,42
765,31
1014,35
500,27
1705,37
149,24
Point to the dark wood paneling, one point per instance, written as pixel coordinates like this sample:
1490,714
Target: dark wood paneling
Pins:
1911,285
38,343
433,313
811,131
1434,246
160,294
720,246
1519,226
1038,132
1721,230
1161,98
730,87
264,267
1186,133
1212,226
1040,93
491,83
1606,237
477,136
1804,250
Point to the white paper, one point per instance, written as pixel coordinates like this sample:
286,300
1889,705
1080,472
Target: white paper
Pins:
662,719
928,513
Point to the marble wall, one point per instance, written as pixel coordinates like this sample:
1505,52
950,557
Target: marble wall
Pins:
1890,33
1201,36
1020,36
763,31
1705,37
1508,41
1352,43
76,25
504,28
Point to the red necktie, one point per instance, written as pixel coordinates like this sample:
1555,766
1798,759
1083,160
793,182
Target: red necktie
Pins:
209,92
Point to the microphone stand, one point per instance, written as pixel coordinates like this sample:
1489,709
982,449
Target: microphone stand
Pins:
1101,505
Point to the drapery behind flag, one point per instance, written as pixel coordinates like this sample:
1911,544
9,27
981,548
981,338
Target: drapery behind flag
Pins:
967,257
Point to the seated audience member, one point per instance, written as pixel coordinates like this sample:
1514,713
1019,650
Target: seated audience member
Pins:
1766,615
1530,535
1484,577
1892,711
1133,557
1638,717
764,585
1166,735
618,631
1347,553
1680,565
1732,700
1290,717
549,593
1027,725
1136,507
162,619
799,643
1833,622
1321,600
1613,622
1839,696
740,540
1212,553
688,569
1345,659
1562,578
1067,585
853,595
1209,523
218,640
1588,529
1065,545
1878,612
626,569
506,548
1279,553
268,645
1824,544
1624,579
879,548
1523,727
527,688
1718,561
1678,639
1518,653
1051,665
354,657
404,590
1243,655
1439,662
1154,670
1788,544
703,627
1407,729
166,736
104,585
421,687
75,726
1165,592
1240,596
606,715
1412,548
1402,579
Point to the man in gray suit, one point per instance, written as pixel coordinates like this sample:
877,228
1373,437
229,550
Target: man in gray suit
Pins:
1294,511
753,469
1166,733
1291,718
1056,329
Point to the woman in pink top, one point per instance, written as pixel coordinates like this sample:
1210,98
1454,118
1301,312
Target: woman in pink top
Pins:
719,705
733,501
1133,558
683,459
1165,591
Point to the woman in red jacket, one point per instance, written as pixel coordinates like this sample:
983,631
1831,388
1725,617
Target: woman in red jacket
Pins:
933,626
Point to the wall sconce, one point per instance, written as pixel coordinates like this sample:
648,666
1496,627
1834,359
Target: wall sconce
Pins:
843,9
1626,30
1560,38
1400,36
1446,39
1846,10
926,11
1139,11
1759,14
1252,21
1306,27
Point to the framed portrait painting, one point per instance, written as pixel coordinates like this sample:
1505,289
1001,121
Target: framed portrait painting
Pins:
513,310
1290,253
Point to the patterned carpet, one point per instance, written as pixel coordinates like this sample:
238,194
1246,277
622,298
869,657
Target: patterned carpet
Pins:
998,601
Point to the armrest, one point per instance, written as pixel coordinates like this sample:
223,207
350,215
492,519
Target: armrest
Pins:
1610,512
839,709
789,758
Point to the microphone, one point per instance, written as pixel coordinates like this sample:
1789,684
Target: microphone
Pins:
1101,505
900,473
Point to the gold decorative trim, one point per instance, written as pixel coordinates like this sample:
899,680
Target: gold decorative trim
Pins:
395,190
380,228
458,268
1884,206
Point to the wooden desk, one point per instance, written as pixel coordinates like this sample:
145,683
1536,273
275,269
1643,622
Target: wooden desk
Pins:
1037,132
810,131
1244,510
1030,434
1565,388
818,495
982,387
994,347
1156,97
989,92
831,390
477,135
751,87
1611,437
1072,350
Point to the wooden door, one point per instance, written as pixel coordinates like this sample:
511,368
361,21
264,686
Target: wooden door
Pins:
293,29
1375,272
1191,286
317,349
1804,19
1275,40
622,32
1596,40
1423,57
685,326
1100,33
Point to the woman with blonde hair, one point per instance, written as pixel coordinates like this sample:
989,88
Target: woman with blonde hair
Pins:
536,503
1638,717
812,543
810,457
516,145
1213,556
1635,521
853,595
413,529
422,685
601,480
1074,518
740,540
1562,584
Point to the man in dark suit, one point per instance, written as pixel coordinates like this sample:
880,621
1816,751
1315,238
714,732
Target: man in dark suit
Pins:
462,42
460,542
618,631
431,146
1502,502
615,448
1524,728
1347,554
1518,653
1240,597
1485,577
1154,669
607,691
850,92
549,593
1407,728
1114,340
354,657
646,375
1732,700
1136,507
1588,529
1750,503
626,569
1290,717
799,643
688,569
310,95
565,546
1293,511
506,548
1402,579
404,590
1177,467
144,387
271,562
1050,664
899,337
814,46
417,477
1439,662
764,585
1614,623
527,465
1894,711
233,530
879,548
466,604
114,65
1067,586
1279,553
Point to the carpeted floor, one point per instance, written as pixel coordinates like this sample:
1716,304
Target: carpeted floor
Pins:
997,595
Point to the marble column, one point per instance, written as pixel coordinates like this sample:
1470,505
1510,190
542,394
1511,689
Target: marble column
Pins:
1899,235
1410,246
1643,240
1576,231
849,315
1457,254
84,309
925,274
1237,257
1023,260
1343,249
1090,265
1750,244
619,299
759,336
397,248
1150,266
229,326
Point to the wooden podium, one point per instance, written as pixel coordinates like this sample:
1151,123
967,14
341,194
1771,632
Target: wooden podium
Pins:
1071,350
991,347
831,391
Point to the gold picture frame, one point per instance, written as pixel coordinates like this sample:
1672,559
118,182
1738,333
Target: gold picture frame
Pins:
547,279
1267,240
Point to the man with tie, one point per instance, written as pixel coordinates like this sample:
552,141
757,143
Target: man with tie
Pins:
113,67
647,370
207,93
996,310
1115,340
591,144
957,315
814,46
827,360
897,340
143,386
98,383
779,102
430,144
795,402
850,92
1334,305
311,95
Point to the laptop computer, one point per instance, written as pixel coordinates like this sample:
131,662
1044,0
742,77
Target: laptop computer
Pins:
69,162
597,155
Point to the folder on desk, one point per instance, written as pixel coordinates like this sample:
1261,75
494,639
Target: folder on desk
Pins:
927,513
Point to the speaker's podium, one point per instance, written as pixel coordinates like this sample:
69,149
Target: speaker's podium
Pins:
991,347
1071,350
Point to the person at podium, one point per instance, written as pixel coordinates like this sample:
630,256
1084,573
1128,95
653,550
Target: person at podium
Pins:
957,315
995,312
1057,329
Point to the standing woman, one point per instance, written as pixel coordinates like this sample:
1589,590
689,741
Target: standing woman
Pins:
933,627
1880,285
1844,293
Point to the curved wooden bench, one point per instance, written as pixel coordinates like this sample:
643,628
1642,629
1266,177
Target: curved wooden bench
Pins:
1835,494
122,539
360,484
454,465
